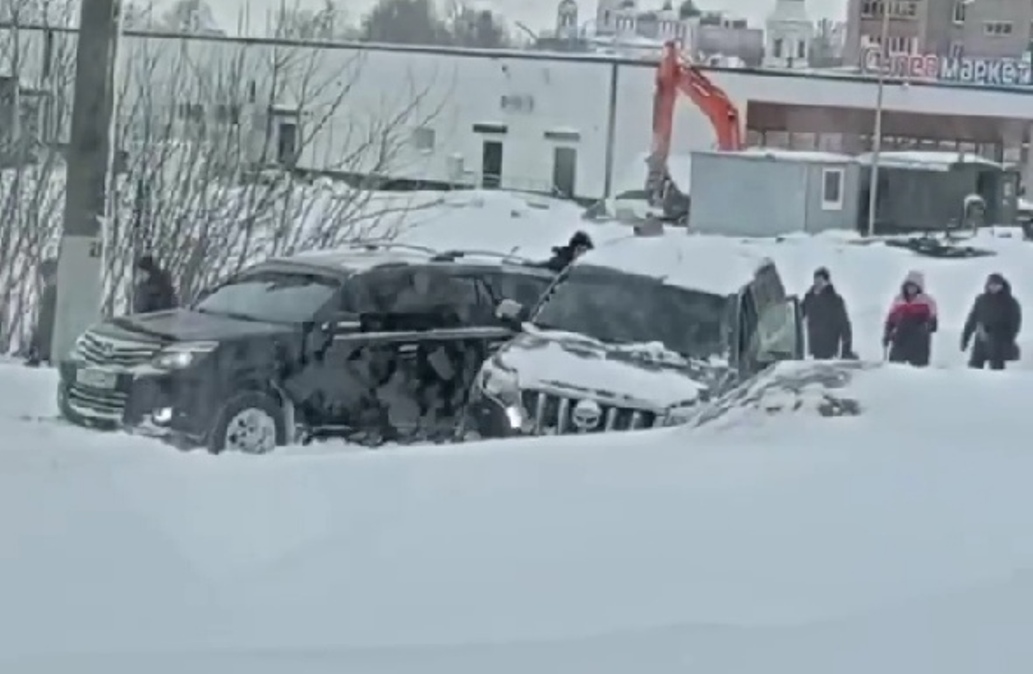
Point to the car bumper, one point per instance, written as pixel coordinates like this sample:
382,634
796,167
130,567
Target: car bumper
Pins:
167,405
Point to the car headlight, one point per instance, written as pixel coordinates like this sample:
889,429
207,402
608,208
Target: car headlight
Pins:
78,351
180,356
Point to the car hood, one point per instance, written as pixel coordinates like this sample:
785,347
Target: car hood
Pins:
617,375
184,325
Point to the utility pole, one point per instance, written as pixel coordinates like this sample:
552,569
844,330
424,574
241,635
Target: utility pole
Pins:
89,164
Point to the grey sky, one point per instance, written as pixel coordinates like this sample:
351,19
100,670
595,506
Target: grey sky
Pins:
536,14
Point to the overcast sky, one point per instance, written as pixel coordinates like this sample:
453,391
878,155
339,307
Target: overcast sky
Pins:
536,14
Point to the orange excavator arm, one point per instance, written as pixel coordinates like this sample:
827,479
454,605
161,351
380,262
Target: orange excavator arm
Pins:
674,76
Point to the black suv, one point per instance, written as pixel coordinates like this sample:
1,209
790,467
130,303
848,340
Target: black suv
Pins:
376,342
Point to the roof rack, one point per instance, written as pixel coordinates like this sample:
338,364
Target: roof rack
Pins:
450,255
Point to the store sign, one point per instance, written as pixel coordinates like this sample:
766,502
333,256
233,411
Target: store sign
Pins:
979,71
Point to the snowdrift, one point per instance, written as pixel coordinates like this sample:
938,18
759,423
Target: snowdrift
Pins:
894,397
896,540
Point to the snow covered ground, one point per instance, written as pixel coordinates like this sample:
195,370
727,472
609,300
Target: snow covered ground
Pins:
895,541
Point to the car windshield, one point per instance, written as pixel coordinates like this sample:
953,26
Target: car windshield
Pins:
620,308
273,297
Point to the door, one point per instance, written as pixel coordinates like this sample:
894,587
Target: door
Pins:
564,171
287,144
491,164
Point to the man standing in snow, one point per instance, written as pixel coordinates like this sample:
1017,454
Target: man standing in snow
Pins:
995,320
828,325
912,320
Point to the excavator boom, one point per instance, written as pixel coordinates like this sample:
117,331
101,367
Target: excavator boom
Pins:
676,76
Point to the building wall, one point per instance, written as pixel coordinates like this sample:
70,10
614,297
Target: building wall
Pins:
944,27
351,94
976,33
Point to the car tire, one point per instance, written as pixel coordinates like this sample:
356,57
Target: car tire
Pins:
251,423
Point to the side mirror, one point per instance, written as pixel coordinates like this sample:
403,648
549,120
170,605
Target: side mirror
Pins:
510,312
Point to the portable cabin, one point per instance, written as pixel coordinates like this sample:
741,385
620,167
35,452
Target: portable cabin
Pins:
769,192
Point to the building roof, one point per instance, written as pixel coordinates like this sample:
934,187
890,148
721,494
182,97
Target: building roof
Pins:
930,160
712,264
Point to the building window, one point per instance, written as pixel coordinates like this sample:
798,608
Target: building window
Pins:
832,189
899,9
776,47
998,28
801,49
423,139
959,11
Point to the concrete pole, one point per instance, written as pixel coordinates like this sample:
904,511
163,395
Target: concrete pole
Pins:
89,161
873,172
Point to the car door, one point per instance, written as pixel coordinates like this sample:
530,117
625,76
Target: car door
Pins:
777,334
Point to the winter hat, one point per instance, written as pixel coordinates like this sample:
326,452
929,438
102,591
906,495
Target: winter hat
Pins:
580,240
823,274
996,278
915,278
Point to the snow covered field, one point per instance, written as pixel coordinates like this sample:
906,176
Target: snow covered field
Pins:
897,541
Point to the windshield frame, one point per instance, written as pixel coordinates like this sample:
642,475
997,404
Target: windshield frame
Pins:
722,314
332,282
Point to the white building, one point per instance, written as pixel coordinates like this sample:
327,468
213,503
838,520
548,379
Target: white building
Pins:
520,120
789,34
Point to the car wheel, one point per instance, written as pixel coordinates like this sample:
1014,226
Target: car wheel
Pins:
251,423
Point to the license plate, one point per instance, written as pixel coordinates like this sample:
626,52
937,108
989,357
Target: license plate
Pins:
95,378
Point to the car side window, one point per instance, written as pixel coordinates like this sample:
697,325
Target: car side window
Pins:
375,291
523,288
473,299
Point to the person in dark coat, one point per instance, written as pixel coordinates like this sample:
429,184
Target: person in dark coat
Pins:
829,332
911,322
562,256
43,333
995,320
154,289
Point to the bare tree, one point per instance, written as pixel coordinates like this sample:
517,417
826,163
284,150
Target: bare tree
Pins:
228,154
34,102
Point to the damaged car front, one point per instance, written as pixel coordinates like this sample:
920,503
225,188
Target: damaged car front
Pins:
604,351
632,336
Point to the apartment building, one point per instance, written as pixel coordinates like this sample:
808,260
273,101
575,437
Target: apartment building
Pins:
977,28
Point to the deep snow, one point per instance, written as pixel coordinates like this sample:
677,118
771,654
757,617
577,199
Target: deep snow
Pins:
896,541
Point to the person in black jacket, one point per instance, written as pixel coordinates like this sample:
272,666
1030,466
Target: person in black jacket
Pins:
154,289
562,256
995,320
829,333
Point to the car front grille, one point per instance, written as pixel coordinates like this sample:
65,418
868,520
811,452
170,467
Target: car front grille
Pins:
97,349
96,403
554,414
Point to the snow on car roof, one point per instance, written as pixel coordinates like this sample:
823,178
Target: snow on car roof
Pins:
713,264
360,257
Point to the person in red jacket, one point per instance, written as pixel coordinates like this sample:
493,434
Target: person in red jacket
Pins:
911,322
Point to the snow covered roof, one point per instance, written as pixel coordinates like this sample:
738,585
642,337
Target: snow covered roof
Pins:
806,156
713,264
930,160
